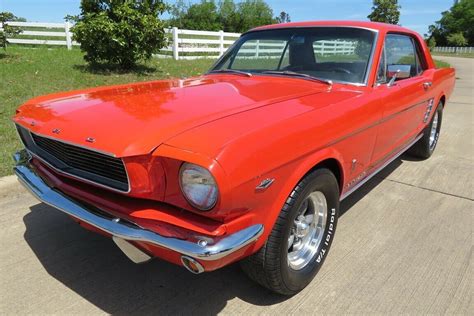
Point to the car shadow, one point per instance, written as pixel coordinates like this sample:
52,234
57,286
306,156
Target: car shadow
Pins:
93,267
352,199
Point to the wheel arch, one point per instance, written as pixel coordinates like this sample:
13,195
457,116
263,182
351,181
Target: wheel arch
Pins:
326,158
442,99
334,166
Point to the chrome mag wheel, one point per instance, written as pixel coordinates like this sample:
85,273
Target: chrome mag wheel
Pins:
434,130
307,231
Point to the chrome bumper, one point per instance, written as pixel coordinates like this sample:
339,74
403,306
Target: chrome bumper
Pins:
121,231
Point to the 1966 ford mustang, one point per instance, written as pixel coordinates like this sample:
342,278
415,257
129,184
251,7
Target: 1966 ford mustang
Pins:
247,162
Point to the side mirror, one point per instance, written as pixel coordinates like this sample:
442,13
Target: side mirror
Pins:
398,72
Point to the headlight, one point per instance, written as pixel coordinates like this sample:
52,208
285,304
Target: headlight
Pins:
198,186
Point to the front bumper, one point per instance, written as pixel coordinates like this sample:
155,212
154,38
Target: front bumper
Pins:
124,231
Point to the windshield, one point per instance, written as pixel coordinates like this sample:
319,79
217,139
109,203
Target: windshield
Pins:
339,54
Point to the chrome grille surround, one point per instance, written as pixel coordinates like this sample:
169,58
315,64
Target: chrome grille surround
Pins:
78,162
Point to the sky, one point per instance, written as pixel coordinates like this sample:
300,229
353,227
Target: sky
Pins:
415,14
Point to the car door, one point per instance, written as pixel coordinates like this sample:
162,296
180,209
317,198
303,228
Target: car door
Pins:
405,100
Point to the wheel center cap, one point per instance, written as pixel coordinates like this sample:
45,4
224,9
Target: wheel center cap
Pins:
302,228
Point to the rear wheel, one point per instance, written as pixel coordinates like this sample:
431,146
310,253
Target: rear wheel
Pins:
425,147
301,237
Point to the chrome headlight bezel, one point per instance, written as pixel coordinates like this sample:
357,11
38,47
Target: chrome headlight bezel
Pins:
205,174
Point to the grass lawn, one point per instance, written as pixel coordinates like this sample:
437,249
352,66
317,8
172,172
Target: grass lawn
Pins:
29,72
441,64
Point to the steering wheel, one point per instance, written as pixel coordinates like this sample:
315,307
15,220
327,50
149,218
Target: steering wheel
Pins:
343,70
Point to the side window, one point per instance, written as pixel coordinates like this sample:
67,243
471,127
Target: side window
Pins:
400,50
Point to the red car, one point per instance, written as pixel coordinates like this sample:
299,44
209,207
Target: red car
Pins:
247,162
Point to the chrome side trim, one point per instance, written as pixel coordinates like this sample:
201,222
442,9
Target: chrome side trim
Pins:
386,163
48,195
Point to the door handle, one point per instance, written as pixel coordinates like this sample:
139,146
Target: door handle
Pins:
427,85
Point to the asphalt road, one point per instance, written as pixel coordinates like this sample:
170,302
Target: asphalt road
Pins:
404,245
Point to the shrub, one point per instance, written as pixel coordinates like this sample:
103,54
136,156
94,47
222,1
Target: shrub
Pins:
119,32
457,39
8,31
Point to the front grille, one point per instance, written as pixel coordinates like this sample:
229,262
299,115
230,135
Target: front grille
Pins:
77,161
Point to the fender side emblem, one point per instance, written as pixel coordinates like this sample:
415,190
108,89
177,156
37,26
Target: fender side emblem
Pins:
90,139
56,131
265,184
428,110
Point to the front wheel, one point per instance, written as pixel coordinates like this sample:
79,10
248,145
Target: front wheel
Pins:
301,237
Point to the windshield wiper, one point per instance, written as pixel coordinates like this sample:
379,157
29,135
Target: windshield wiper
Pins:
235,71
297,74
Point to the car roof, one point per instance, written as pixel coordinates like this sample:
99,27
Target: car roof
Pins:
377,26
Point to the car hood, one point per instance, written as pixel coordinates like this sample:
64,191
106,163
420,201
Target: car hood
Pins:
134,119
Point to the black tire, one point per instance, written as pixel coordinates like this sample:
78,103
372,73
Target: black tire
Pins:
269,266
423,149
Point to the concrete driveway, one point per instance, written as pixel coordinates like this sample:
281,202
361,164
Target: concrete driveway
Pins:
404,245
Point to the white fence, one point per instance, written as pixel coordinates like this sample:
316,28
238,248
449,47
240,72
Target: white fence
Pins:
43,34
183,44
274,49
457,50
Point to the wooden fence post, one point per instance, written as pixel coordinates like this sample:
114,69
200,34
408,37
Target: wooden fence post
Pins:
221,43
175,43
67,27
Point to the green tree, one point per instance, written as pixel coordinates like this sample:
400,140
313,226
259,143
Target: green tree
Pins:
177,11
8,30
457,40
253,13
386,11
431,42
228,15
459,18
202,16
283,17
119,32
